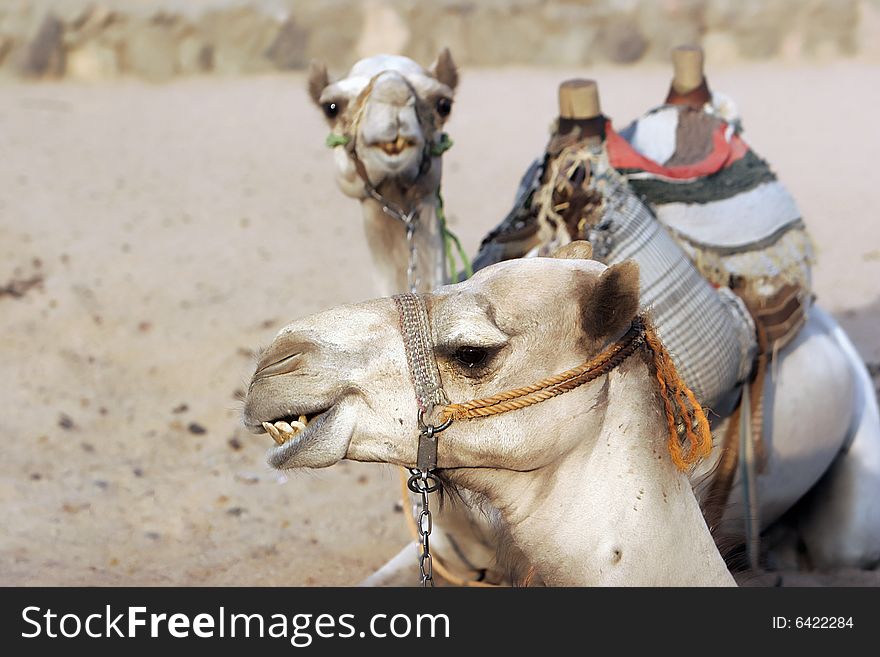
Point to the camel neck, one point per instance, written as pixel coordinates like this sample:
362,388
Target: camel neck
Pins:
388,245
614,511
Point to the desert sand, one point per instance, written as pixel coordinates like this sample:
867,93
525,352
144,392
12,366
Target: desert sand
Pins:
152,237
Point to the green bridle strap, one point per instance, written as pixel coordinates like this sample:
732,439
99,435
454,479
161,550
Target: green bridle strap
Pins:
443,145
333,140
450,239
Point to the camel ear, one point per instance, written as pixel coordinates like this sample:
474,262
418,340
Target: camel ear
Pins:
444,69
318,80
577,250
612,301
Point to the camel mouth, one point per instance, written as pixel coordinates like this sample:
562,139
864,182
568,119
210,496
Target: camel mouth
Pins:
396,147
286,428
293,435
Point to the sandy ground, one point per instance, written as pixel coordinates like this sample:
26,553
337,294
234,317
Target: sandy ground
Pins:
170,230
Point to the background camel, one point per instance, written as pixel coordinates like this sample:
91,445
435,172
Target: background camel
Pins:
582,483
386,118
376,106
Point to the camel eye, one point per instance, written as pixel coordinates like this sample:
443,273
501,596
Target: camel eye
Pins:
444,106
331,110
471,356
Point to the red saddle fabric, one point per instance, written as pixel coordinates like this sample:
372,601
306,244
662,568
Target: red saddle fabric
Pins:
724,153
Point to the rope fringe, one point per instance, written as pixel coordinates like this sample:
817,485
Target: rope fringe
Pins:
681,407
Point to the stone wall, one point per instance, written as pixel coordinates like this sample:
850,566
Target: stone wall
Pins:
159,39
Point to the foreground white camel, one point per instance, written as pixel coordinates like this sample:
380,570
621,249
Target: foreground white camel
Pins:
386,118
582,486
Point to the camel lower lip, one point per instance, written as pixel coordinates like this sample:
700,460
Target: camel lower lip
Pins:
280,455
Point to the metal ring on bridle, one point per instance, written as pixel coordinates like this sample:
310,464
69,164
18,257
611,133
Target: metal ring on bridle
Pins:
419,482
434,429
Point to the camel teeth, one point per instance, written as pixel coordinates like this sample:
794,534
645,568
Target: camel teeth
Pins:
282,431
287,432
283,427
272,431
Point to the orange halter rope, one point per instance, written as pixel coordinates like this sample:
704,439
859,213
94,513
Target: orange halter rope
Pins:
684,416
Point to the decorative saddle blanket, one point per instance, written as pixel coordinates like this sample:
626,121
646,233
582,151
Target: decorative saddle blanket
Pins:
725,206
574,193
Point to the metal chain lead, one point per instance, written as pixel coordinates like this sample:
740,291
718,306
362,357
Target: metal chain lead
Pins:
409,220
422,483
418,481
412,278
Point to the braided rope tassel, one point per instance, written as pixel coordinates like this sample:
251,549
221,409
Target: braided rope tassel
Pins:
679,401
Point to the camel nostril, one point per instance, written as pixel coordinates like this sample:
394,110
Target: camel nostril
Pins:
277,366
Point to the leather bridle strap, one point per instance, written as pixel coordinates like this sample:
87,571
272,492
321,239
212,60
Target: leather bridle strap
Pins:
416,332
419,347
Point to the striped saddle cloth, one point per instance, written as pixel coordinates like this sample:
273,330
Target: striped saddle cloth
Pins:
725,207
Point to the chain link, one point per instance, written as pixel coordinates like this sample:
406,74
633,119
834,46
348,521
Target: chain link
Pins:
423,483
409,220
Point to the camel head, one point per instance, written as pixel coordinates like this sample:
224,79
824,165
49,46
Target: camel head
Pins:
386,118
512,324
